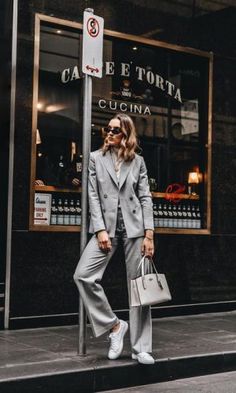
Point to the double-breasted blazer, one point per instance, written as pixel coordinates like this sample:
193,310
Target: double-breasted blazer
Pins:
132,190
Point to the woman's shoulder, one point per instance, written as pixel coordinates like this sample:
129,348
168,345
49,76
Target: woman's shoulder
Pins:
99,153
138,157
94,154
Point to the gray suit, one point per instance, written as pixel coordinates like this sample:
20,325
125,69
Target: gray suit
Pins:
126,223
132,190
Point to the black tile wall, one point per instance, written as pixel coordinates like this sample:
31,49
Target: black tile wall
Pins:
198,268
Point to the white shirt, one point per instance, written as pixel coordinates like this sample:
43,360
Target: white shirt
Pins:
117,162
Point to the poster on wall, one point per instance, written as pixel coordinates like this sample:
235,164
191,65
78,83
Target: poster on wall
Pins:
42,209
190,117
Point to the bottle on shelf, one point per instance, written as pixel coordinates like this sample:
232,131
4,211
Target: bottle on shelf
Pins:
160,215
77,213
60,212
189,217
194,217
53,220
155,213
66,213
72,214
184,211
198,217
175,214
165,216
170,222
180,216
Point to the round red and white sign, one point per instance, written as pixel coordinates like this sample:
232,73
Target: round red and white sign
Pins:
93,27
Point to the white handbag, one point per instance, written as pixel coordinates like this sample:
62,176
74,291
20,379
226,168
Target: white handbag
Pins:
150,288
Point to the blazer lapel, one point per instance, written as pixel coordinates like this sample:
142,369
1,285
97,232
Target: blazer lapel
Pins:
108,164
124,171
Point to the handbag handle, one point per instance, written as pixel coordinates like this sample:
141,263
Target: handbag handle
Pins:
141,264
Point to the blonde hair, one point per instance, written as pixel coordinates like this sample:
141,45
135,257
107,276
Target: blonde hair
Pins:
129,142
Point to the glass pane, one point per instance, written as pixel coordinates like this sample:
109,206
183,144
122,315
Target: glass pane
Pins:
166,94
59,131
59,134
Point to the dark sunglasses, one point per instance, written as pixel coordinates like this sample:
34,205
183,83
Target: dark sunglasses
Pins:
114,130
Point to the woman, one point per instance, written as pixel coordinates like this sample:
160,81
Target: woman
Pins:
121,209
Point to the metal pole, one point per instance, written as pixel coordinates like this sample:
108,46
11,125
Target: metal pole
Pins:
87,117
11,162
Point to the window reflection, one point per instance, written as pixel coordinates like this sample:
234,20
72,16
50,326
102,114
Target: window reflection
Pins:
59,126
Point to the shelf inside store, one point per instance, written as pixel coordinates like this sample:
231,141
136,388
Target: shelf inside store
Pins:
182,231
174,195
56,228
154,194
57,189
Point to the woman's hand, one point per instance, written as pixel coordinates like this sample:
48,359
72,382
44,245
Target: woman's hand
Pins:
104,241
148,247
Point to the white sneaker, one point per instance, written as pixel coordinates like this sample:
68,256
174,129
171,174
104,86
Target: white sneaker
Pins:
117,338
143,358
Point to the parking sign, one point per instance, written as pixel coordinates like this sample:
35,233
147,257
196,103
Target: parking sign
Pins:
92,44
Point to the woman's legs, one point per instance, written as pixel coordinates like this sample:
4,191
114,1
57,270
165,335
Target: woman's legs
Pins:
140,317
87,277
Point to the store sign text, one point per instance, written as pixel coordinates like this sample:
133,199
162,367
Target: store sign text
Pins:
124,107
153,79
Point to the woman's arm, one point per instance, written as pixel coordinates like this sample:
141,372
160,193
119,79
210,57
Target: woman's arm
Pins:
145,198
94,200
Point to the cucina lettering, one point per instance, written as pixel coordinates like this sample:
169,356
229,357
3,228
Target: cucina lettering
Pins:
124,107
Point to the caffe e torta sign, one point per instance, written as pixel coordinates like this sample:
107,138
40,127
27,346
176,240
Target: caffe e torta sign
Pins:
124,69
128,74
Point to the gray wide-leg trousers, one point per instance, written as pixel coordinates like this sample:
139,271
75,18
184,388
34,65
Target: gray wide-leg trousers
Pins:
87,277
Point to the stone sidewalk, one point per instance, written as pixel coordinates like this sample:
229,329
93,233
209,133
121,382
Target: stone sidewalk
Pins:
45,359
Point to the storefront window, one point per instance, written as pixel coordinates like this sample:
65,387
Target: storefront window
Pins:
167,92
58,144
59,129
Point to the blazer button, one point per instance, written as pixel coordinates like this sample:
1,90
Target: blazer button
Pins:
104,211
131,198
105,195
134,211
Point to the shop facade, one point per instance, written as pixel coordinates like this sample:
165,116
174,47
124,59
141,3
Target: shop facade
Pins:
170,91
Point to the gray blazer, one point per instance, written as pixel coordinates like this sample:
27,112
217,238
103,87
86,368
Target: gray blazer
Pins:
132,190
